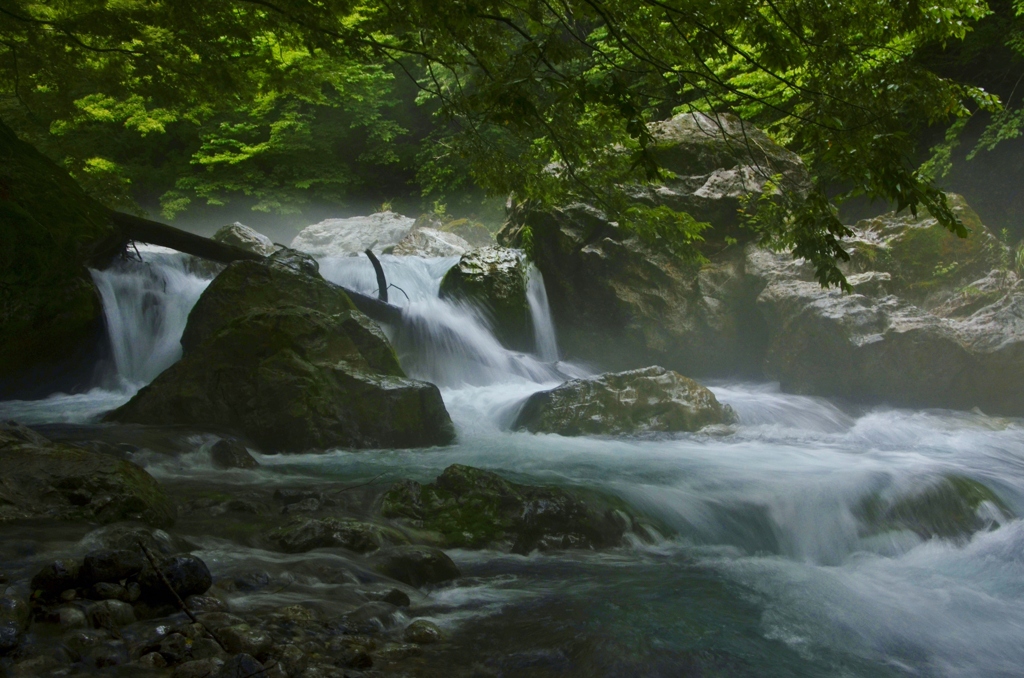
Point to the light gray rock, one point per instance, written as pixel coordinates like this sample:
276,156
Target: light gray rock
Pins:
350,237
240,235
430,242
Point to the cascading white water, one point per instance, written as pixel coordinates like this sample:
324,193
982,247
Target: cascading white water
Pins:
540,313
146,305
447,342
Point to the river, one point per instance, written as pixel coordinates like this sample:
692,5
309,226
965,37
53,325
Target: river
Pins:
763,566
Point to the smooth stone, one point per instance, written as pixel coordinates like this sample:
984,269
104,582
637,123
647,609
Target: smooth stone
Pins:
416,565
422,632
111,614
243,638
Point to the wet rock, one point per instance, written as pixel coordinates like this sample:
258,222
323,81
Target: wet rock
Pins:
252,581
639,401
175,648
187,575
199,668
397,598
111,614
35,666
422,632
312,533
126,537
416,565
370,618
229,453
107,654
152,661
292,659
241,666
200,603
111,565
430,242
109,591
243,638
248,239
953,507
13,433
350,237
61,482
57,577
69,618
495,280
479,509
261,363
81,643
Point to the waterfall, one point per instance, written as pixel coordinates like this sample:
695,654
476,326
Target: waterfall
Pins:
146,305
448,342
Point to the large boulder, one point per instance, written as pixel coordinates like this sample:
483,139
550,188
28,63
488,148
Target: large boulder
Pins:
430,242
280,357
350,237
46,480
51,317
472,508
639,401
241,236
495,280
933,320
623,302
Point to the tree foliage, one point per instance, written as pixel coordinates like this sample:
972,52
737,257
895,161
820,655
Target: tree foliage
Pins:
548,99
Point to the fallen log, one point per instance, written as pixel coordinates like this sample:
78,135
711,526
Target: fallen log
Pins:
382,282
129,228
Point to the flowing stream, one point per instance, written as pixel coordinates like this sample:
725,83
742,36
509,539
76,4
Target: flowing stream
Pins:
764,568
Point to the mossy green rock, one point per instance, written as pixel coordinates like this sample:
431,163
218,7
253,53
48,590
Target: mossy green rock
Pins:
472,508
294,379
638,401
58,482
952,508
50,314
495,280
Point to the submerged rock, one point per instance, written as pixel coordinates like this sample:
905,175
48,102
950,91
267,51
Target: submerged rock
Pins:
350,237
954,507
639,401
251,240
479,509
186,574
59,482
495,280
282,358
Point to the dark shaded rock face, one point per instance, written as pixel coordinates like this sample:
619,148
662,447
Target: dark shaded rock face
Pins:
282,358
42,479
621,302
354,535
933,320
479,509
51,319
639,401
495,279
187,576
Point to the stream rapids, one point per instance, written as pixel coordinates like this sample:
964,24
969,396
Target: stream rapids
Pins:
763,568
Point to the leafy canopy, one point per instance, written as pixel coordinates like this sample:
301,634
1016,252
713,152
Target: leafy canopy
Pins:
548,99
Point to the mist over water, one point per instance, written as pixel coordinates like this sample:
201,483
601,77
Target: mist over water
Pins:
765,568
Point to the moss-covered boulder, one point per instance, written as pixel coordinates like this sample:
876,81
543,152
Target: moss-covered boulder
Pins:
472,508
51,319
639,401
953,507
495,280
42,479
294,379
